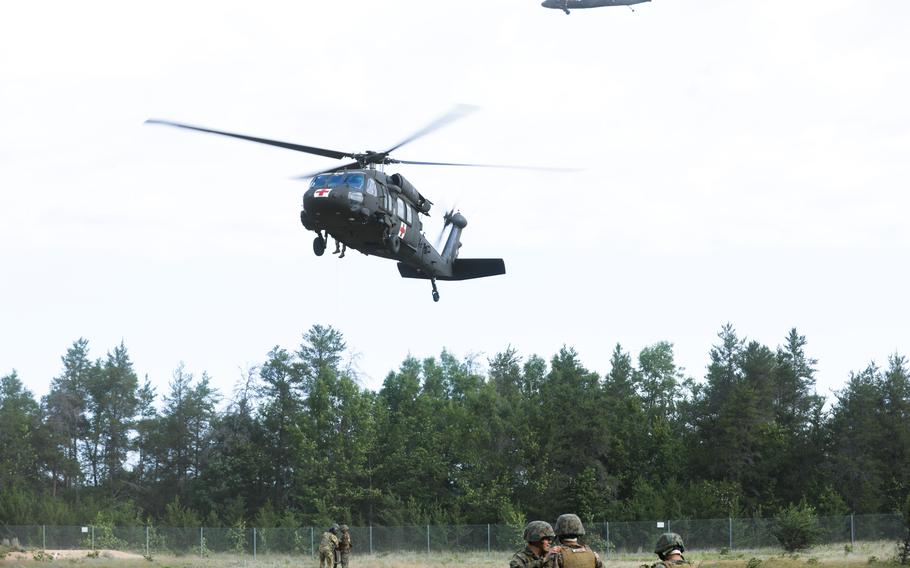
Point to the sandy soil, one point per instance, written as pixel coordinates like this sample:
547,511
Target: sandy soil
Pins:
66,554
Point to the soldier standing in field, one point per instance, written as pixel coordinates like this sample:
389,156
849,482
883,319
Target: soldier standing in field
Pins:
573,554
538,553
345,545
327,547
669,549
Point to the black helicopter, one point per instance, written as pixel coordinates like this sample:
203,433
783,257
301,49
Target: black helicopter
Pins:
374,213
566,5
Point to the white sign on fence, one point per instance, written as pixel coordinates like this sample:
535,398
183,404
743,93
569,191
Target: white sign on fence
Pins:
85,529
660,524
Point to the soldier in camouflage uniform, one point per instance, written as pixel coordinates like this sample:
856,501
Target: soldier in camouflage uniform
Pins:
669,549
573,554
327,547
345,545
538,553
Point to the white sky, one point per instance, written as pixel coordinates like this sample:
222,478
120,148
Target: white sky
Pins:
746,161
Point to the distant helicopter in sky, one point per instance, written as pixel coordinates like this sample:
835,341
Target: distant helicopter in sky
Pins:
566,5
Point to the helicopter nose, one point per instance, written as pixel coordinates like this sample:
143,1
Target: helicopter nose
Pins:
326,200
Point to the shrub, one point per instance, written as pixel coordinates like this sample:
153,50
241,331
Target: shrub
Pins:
797,527
753,563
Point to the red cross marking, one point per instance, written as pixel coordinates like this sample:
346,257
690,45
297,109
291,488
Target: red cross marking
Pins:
402,230
321,192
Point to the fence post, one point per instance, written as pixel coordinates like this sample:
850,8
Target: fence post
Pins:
428,539
488,538
200,541
93,537
731,532
43,537
147,541
852,531
254,543
608,539
371,539
668,526
312,543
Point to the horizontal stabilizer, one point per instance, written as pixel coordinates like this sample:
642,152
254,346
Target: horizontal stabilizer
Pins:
463,269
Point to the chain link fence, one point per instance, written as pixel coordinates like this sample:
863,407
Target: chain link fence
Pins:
611,539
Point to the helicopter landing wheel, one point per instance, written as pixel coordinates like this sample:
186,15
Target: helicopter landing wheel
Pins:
435,291
319,245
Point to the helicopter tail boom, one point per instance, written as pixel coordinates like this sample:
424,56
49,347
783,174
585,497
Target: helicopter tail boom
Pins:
462,269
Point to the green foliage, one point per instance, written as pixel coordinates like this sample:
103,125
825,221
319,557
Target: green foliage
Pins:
42,556
177,515
796,527
753,562
103,527
237,537
449,440
831,504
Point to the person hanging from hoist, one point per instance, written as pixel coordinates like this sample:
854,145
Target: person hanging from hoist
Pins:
340,247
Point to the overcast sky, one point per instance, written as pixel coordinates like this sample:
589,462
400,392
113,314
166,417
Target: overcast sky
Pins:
744,162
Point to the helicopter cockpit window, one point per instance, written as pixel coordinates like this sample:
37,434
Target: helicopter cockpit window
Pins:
320,181
355,181
371,187
327,180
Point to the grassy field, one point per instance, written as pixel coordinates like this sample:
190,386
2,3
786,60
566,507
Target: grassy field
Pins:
865,554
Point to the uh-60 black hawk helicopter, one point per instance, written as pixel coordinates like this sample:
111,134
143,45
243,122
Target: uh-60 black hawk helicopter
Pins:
566,5
361,206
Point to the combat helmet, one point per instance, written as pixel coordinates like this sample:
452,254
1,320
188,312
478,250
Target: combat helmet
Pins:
334,528
538,530
344,528
667,542
569,525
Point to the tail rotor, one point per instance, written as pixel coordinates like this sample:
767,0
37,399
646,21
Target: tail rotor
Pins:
446,222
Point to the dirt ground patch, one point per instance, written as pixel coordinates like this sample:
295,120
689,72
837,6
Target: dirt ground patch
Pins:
863,555
18,558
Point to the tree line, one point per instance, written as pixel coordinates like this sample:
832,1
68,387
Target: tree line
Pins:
451,441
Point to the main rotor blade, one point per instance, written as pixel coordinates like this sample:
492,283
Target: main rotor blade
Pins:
451,116
501,166
298,147
329,171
